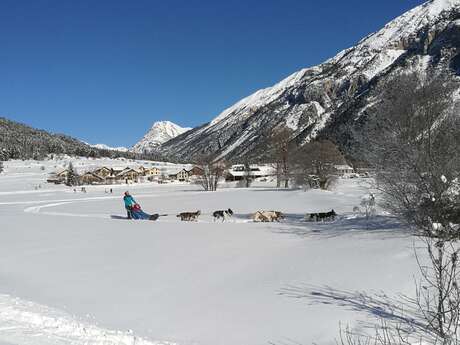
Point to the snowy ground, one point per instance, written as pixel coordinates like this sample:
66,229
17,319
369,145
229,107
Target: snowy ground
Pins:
73,272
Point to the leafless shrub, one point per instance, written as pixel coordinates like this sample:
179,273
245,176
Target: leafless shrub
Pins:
212,173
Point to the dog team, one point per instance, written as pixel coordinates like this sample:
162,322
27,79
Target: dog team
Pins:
134,211
259,216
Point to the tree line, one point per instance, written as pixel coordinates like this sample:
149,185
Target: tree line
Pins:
18,141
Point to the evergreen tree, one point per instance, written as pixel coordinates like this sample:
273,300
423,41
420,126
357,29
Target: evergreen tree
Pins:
72,176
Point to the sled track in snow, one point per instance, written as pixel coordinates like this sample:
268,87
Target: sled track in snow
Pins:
28,323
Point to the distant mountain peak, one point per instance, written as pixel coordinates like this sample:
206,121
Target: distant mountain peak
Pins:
159,133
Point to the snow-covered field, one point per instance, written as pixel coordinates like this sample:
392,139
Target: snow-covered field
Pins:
72,271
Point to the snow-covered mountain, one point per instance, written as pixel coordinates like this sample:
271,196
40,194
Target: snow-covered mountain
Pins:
160,133
106,147
328,99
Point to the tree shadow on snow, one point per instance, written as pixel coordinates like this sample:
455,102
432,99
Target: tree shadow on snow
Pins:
388,226
400,311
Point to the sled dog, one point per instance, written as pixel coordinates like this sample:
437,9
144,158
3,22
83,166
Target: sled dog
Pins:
189,216
267,216
315,217
222,214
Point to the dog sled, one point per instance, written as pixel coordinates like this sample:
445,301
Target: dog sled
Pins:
137,213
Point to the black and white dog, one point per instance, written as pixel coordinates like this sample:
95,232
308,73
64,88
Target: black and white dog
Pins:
322,216
222,214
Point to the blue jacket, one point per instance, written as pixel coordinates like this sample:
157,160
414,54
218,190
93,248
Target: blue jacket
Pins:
129,201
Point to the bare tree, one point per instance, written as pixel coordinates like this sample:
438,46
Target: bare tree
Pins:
281,148
212,172
319,158
247,174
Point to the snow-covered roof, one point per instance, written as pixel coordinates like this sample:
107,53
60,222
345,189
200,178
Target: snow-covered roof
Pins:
343,167
255,170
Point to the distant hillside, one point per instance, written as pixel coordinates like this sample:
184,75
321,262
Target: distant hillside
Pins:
19,141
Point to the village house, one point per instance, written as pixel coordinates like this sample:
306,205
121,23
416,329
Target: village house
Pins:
129,175
91,178
150,172
103,172
181,176
53,178
63,174
59,177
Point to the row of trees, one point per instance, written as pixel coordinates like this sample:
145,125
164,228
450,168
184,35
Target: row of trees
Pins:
312,164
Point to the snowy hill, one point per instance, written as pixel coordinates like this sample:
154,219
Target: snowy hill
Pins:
19,141
328,99
160,133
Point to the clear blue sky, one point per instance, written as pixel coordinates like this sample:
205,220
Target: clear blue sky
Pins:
105,70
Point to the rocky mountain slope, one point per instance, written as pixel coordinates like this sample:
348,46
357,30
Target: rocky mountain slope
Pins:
330,99
160,133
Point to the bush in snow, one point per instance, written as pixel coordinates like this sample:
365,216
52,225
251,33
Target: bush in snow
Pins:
368,205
